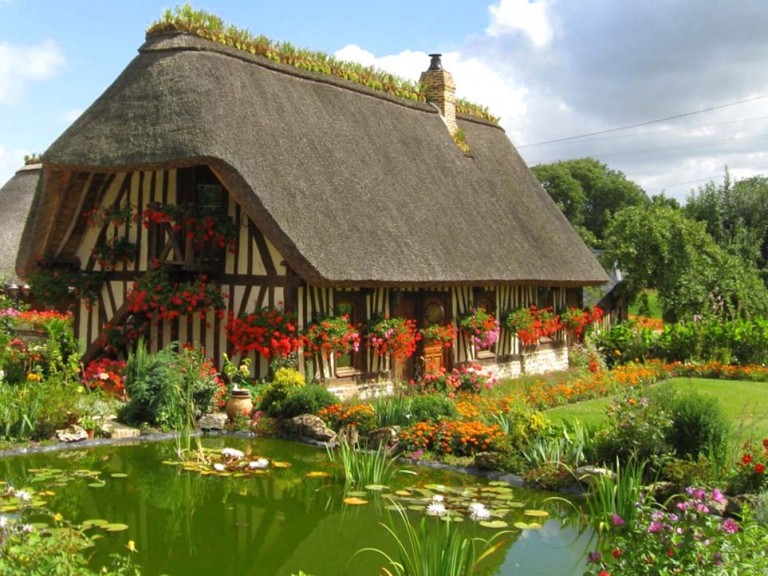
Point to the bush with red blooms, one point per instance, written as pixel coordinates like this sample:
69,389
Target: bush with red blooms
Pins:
268,331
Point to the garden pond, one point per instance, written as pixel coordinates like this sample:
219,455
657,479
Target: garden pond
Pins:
293,515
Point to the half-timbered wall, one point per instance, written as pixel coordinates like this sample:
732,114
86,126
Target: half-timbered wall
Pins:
254,273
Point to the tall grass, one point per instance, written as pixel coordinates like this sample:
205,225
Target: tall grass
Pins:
364,467
433,547
612,498
566,447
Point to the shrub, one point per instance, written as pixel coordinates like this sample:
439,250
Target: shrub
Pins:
286,381
699,427
360,416
432,408
307,400
158,384
636,429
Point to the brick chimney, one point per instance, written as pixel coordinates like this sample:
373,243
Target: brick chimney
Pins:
440,90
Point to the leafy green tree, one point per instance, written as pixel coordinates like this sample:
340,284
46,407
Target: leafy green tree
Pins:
658,247
589,193
736,215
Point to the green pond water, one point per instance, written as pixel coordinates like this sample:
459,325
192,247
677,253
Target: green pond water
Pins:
276,523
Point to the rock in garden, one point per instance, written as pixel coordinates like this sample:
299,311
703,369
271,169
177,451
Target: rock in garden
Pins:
487,460
72,434
212,421
386,436
309,426
587,474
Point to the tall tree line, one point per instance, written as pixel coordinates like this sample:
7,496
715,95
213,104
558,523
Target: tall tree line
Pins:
707,258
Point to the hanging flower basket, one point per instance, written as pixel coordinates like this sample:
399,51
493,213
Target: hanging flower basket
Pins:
481,327
436,334
268,331
332,335
396,336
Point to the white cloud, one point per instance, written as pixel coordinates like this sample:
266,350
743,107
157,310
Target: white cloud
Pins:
20,66
10,161
475,80
529,17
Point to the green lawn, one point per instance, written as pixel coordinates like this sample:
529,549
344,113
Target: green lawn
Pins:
654,308
745,404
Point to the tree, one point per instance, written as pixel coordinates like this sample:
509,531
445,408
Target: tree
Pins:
658,247
736,215
589,193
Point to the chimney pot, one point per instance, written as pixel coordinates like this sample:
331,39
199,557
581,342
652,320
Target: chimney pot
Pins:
435,63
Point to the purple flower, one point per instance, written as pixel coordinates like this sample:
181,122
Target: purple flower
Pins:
654,527
730,526
718,497
617,520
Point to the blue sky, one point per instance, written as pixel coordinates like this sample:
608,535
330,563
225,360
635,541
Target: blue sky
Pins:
550,68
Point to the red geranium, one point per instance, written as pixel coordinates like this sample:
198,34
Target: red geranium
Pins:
269,331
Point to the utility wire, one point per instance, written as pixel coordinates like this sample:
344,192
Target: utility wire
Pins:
646,123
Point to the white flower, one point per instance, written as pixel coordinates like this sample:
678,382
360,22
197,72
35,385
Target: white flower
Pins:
259,463
478,511
27,528
232,454
3,522
219,467
23,495
438,498
436,509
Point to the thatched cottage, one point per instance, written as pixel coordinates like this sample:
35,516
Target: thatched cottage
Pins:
334,197
16,197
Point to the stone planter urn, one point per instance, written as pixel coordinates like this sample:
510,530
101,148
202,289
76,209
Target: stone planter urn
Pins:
239,403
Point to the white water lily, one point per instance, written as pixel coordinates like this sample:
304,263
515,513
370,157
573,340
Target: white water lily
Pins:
232,453
436,509
23,495
3,522
258,463
219,467
438,498
478,511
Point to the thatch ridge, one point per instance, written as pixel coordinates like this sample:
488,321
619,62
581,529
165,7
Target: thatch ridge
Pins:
353,188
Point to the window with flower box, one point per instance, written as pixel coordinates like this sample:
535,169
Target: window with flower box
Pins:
350,304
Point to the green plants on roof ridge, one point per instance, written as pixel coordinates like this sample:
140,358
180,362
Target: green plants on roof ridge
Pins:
206,25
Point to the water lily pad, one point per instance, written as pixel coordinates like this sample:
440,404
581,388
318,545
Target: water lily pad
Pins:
436,487
403,493
9,508
94,522
527,526
282,464
119,475
496,524
239,475
417,507
376,487
171,462
499,483
115,527
97,484
536,513
354,501
318,474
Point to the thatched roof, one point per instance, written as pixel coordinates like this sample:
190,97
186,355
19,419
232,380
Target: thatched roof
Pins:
352,186
15,199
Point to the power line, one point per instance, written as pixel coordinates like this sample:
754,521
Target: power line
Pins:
646,123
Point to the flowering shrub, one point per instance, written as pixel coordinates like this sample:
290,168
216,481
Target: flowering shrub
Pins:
466,378
118,215
331,335
105,374
360,416
684,538
268,331
436,334
120,338
396,336
481,327
575,320
457,437
112,251
160,298
750,475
